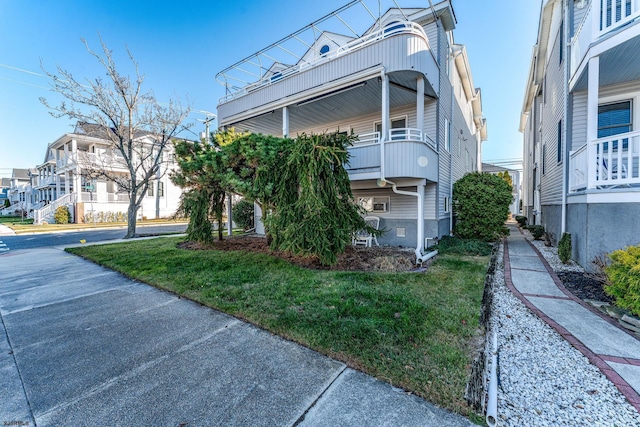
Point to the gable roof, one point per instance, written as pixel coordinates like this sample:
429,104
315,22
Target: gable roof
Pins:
20,174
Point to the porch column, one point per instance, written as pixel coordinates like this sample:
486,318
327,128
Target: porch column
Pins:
57,179
285,122
592,116
385,107
420,231
66,183
420,104
76,184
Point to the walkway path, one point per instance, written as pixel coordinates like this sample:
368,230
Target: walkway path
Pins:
614,351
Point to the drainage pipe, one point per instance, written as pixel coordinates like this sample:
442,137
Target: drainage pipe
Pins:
492,405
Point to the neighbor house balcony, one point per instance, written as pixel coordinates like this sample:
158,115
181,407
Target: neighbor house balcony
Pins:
85,159
610,162
608,29
99,197
408,153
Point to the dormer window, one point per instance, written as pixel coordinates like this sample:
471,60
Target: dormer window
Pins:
391,28
324,50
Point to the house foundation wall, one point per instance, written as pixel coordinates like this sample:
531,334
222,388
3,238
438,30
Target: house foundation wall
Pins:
599,228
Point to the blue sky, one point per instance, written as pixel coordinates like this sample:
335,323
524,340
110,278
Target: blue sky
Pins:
181,45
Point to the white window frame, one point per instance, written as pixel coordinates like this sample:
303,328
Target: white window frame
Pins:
369,203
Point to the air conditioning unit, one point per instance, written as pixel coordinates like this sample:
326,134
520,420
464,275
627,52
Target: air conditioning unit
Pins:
380,207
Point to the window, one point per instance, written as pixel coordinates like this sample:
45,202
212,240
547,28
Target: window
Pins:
447,206
614,119
544,156
150,189
447,135
160,189
390,28
398,123
559,155
561,47
467,160
374,204
324,50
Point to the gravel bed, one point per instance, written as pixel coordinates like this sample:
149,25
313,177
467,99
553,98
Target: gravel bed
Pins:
543,380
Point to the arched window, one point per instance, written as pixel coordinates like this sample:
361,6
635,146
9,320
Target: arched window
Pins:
390,28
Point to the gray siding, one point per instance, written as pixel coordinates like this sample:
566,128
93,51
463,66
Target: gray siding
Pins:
552,113
578,15
579,125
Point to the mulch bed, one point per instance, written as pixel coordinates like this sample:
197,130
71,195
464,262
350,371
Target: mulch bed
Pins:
353,259
584,286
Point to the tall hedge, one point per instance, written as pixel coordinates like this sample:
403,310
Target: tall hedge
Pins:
481,206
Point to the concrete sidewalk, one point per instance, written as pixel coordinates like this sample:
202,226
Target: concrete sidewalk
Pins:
83,345
609,347
6,231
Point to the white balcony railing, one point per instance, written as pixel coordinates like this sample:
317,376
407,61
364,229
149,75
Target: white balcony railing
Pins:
88,197
616,13
397,134
608,162
230,82
602,17
86,159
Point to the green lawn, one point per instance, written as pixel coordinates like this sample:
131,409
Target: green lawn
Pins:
410,329
10,220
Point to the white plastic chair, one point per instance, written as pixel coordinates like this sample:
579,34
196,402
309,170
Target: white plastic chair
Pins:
364,238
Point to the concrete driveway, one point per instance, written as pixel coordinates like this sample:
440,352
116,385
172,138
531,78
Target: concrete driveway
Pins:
81,345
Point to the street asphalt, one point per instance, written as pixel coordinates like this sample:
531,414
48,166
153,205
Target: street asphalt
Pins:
82,345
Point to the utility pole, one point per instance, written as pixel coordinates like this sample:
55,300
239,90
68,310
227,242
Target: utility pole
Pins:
209,118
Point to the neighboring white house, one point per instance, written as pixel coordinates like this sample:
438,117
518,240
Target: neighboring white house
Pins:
580,123
18,192
514,208
67,177
402,85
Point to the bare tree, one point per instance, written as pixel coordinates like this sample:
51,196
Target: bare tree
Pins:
138,128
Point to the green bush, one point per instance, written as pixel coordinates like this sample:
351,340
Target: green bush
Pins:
457,246
62,215
481,204
537,231
564,248
521,220
623,276
243,214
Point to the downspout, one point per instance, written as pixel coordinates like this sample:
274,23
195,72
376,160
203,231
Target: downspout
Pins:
565,130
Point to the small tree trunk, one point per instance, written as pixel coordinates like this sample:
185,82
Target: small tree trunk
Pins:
131,220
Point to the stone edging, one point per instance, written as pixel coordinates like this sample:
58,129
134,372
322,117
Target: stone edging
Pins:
598,360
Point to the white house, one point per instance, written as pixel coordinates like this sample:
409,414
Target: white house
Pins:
19,192
398,81
68,177
580,123
514,208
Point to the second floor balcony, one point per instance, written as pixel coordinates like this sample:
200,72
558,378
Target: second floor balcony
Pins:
85,159
609,29
408,153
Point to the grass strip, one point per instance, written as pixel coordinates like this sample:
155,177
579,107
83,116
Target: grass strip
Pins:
412,330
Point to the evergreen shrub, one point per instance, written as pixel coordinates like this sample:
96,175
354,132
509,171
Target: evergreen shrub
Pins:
623,275
243,214
62,215
481,205
564,248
